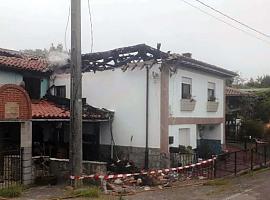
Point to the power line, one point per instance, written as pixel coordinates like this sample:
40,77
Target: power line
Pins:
65,39
91,26
233,19
223,21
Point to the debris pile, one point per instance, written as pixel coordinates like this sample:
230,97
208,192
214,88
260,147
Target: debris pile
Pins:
132,180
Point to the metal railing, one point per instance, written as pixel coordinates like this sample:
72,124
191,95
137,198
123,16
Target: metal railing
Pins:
232,163
10,168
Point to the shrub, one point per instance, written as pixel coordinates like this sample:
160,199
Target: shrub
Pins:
253,128
11,192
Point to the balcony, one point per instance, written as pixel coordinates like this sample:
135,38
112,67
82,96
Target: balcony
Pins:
187,104
212,106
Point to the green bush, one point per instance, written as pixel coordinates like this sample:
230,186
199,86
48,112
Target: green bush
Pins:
11,192
253,128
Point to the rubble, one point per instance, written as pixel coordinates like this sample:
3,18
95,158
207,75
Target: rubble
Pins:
126,179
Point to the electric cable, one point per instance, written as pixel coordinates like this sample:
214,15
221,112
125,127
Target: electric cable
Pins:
227,23
91,26
65,39
233,19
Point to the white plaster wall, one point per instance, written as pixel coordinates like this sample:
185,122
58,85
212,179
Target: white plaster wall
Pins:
199,92
124,93
174,131
10,78
213,132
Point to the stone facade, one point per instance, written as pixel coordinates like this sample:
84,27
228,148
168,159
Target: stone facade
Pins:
135,154
60,169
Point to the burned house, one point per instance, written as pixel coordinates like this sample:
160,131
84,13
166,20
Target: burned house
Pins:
33,119
160,100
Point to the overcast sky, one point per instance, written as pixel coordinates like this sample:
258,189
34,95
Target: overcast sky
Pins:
31,24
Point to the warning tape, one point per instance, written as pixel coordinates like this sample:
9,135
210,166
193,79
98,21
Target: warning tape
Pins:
152,172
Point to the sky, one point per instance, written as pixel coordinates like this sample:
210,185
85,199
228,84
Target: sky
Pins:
180,28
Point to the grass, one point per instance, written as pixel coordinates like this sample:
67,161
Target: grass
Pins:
90,192
11,192
217,182
219,186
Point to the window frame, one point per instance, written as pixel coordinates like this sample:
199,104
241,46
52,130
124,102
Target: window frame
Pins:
186,82
62,89
211,97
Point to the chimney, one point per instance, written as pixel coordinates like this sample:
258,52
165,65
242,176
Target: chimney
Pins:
189,55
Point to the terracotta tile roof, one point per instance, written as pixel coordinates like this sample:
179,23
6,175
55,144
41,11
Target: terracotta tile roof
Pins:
24,63
44,109
236,92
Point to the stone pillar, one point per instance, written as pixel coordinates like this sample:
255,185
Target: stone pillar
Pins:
26,152
164,116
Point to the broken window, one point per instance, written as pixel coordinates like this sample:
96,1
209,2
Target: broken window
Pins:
60,91
186,88
211,91
32,86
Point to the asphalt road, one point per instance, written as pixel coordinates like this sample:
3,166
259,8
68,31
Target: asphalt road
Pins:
252,186
246,187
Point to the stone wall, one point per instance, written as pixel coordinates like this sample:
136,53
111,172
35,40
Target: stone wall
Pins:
60,169
135,154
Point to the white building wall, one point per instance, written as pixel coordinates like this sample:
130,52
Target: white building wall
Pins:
125,94
199,92
174,130
10,78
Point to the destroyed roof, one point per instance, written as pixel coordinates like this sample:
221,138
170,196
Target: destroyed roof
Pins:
52,107
139,54
120,57
15,60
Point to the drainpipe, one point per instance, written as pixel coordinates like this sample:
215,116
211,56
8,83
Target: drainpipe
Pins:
147,119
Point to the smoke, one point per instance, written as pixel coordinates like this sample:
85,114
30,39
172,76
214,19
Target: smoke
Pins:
58,58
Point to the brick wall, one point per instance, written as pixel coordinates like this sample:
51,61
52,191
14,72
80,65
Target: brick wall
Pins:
15,94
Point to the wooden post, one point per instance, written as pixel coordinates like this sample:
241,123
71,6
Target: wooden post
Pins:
75,142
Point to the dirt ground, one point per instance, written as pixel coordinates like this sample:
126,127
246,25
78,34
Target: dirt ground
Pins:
252,186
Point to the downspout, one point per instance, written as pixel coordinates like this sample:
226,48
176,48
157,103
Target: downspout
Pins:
147,119
112,140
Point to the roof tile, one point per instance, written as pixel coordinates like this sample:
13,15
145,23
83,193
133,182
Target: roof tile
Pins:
24,63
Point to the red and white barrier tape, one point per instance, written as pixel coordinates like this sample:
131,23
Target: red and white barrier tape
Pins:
115,176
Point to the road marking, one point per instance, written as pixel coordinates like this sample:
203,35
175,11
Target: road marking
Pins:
238,194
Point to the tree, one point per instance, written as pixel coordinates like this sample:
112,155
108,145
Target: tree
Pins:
265,81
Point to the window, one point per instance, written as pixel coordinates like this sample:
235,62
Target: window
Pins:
60,91
211,91
32,86
171,139
186,88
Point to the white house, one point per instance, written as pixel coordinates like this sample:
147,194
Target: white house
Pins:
157,103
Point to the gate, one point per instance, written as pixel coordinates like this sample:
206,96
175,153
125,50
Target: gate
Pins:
10,168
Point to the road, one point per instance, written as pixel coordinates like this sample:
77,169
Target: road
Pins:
252,186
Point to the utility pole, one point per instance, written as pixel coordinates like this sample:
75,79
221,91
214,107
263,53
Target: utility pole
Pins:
75,139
